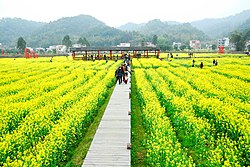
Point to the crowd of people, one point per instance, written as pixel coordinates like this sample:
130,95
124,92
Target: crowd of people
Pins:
121,73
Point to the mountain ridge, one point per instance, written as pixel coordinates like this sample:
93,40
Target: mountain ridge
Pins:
39,34
221,26
213,27
10,28
96,31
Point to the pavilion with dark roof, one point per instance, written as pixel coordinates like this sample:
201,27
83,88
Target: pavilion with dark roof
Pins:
135,50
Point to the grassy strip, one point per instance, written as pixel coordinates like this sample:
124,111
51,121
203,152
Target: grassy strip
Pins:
80,152
138,150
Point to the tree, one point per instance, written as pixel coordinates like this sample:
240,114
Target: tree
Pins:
214,46
86,42
246,35
247,38
142,42
238,40
176,48
182,47
21,44
165,47
248,48
66,41
155,38
80,41
83,41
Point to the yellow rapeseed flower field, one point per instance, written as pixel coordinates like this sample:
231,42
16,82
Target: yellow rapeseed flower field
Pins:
194,116
191,116
46,106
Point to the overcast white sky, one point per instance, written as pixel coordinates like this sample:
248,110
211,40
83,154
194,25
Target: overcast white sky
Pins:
115,12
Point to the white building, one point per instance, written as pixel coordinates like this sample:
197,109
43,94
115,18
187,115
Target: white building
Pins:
223,42
78,45
31,49
58,48
39,50
176,45
247,45
195,44
149,44
124,45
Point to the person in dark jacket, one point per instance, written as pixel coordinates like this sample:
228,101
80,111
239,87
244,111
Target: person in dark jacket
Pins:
119,74
116,74
193,63
214,62
201,65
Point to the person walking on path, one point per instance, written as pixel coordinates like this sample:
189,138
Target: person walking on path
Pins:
116,74
119,74
125,76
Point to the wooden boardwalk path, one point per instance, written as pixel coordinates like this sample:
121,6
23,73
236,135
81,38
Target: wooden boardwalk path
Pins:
109,146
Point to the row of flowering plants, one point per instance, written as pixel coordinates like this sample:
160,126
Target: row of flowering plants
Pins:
163,148
51,108
207,110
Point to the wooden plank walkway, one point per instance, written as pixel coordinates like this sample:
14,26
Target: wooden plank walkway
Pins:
109,146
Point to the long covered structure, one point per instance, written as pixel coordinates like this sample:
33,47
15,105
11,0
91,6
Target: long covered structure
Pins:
122,50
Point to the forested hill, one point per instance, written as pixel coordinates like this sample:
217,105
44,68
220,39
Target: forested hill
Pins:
222,26
245,26
131,26
167,32
38,34
213,28
177,32
139,27
94,30
12,28
46,34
